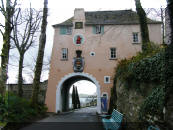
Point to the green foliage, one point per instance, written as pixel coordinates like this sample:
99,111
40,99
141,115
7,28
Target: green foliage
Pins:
75,98
145,67
16,109
153,105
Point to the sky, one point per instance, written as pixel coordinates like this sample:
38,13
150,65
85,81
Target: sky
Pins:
61,10
85,87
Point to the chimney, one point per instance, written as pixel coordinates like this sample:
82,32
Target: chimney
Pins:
79,14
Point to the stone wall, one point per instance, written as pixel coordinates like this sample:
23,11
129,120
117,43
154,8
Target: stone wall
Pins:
130,100
27,90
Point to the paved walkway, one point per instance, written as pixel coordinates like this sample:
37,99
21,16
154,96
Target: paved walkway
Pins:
82,119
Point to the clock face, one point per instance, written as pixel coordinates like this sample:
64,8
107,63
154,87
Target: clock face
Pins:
78,39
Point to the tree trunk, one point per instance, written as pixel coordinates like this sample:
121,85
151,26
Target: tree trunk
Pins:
39,62
163,26
143,25
6,48
20,77
113,98
169,72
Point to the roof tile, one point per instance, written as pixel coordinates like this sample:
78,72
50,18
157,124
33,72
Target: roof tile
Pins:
118,17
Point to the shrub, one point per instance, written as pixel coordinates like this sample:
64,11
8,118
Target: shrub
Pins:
16,109
152,108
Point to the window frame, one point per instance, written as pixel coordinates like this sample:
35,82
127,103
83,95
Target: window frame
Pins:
105,79
98,29
92,53
68,30
113,54
135,36
77,26
64,54
64,30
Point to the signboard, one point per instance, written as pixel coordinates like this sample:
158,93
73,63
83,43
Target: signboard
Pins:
104,104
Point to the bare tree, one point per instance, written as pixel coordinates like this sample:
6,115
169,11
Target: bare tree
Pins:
7,12
157,14
30,68
26,25
39,63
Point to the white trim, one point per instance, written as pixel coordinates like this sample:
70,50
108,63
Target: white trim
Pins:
113,58
135,36
92,53
64,52
108,81
70,75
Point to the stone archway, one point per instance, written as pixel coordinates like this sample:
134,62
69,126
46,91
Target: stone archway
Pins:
72,75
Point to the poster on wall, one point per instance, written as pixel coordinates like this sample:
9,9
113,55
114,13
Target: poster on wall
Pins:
104,104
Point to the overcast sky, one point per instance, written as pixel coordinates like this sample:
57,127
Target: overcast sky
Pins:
61,10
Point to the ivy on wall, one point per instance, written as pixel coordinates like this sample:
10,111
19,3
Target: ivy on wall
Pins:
145,67
152,107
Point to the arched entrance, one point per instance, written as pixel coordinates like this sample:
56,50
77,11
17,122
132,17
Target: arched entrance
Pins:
62,90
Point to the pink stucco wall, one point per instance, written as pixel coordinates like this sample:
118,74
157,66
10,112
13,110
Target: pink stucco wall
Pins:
119,36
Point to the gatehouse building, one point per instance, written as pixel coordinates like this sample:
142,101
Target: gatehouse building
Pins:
88,46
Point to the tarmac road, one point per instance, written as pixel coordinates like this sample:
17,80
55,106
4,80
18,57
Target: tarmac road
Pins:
82,119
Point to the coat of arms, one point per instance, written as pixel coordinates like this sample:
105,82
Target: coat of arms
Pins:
78,62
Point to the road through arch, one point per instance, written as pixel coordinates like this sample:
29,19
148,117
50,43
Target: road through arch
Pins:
63,87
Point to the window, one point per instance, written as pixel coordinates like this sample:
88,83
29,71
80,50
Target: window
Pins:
78,25
135,38
92,53
98,29
112,53
65,30
106,79
69,30
64,53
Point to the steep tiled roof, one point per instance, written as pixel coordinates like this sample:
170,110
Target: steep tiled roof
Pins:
119,17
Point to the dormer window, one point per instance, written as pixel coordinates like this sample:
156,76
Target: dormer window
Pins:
69,30
98,29
65,30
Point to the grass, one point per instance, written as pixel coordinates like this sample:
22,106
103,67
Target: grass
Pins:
2,124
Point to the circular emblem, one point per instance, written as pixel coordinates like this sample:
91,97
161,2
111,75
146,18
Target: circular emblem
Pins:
78,39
